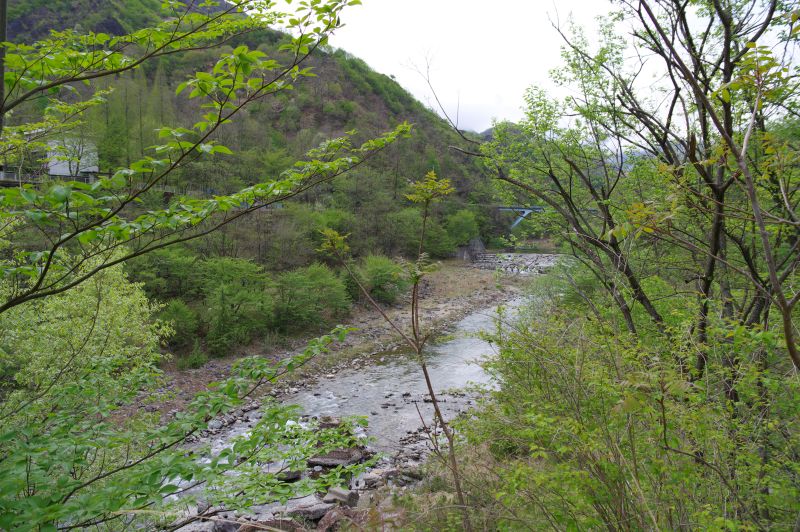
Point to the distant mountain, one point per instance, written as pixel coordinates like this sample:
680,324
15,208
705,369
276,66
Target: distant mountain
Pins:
29,20
345,94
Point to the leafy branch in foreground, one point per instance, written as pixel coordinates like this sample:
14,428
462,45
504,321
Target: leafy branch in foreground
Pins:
82,222
94,219
75,451
68,461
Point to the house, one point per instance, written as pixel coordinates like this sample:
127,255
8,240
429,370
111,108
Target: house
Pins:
69,158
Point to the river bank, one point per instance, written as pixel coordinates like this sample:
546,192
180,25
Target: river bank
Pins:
374,377
448,294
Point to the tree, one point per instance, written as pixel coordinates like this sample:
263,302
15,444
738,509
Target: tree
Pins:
462,226
73,451
92,219
667,189
707,130
426,192
104,323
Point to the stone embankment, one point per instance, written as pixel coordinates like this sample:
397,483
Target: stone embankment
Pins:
515,263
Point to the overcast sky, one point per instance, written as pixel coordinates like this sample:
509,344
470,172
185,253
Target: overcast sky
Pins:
483,54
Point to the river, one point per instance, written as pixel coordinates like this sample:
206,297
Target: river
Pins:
391,391
388,388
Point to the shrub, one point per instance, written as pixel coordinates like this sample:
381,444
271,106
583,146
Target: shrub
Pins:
184,322
407,225
235,315
630,422
340,110
382,278
308,296
461,227
103,326
290,117
196,359
239,305
169,272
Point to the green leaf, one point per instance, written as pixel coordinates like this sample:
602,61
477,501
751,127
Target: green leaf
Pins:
29,195
218,148
59,193
87,237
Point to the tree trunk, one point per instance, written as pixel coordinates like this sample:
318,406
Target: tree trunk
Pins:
3,38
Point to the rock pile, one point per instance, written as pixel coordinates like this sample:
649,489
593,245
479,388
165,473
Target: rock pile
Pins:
315,511
515,263
297,514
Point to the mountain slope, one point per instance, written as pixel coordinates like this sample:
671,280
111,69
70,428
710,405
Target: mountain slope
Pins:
33,19
345,95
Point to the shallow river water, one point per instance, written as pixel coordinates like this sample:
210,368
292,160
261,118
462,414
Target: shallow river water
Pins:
391,391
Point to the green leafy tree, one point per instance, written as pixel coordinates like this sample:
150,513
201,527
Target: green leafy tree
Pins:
183,320
105,323
382,277
168,273
74,451
238,302
462,226
308,296
406,225
679,366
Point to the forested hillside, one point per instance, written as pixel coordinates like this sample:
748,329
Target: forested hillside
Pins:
368,202
31,20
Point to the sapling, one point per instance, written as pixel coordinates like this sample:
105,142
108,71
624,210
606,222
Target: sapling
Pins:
431,189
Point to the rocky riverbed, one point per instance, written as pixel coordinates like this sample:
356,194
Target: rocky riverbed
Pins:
386,386
516,263
448,294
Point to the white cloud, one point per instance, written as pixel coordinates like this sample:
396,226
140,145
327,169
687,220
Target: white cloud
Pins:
483,55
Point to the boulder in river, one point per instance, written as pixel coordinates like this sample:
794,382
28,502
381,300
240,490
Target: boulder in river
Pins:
329,422
342,496
338,516
289,476
272,523
337,457
225,525
313,511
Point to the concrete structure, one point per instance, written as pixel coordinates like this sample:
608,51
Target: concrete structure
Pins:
71,157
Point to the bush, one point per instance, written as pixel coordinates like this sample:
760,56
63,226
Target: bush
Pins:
196,359
630,422
103,326
238,302
382,278
407,225
341,110
184,322
166,273
235,315
462,226
308,296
